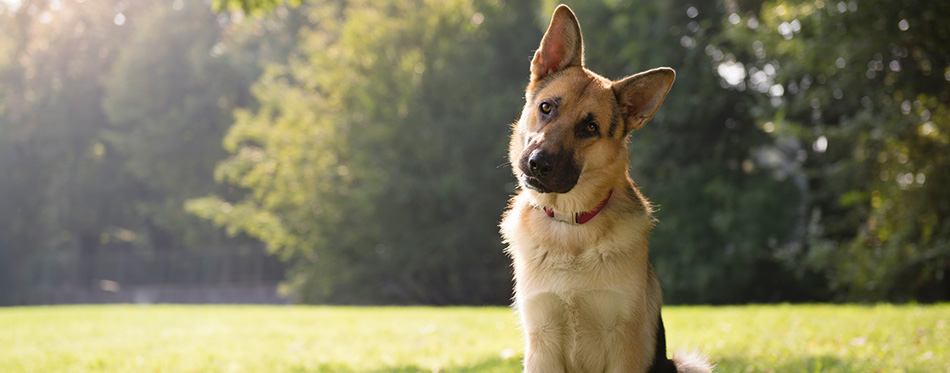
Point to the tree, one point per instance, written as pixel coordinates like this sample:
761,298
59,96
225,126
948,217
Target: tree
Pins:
167,128
863,87
112,116
375,164
55,206
251,6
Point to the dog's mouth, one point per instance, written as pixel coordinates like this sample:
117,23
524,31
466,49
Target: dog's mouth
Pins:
533,183
536,185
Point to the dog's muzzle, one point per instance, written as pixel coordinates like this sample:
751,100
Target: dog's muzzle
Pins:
547,172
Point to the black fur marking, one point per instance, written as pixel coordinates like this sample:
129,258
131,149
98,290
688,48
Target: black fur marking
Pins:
587,85
660,363
616,120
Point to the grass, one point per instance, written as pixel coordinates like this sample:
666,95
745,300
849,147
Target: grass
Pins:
166,338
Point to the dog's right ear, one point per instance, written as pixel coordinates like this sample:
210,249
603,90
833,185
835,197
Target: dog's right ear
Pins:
561,46
640,95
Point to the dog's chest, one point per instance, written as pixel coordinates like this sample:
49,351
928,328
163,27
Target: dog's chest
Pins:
553,257
565,269
577,302
567,274
579,290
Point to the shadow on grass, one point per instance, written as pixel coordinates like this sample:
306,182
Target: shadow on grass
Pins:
823,363
512,365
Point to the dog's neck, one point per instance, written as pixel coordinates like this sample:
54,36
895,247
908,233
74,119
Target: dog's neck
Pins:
578,218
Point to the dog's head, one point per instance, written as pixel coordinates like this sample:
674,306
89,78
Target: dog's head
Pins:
575,123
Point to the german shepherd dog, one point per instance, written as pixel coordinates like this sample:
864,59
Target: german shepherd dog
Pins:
587,297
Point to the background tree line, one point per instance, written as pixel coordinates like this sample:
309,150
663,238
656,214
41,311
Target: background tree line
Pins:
801,155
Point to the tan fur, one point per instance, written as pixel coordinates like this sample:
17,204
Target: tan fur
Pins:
587,296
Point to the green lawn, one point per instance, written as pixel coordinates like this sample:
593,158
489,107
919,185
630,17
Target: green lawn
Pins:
784,338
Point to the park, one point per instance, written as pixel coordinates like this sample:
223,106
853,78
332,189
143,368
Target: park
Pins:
297,185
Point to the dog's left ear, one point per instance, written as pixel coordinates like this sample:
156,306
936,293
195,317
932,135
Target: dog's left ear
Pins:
561,47
640,95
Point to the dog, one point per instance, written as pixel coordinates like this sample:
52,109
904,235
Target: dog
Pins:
577,229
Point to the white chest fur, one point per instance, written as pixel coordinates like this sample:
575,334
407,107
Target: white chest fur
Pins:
580,290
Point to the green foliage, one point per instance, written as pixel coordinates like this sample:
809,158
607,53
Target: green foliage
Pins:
381,176
188,103
52,194
801,155
251,6
112,119
782,338
864,88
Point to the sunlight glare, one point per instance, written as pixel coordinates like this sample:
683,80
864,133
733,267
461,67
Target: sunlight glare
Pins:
11,5
46,17
820,145
732,72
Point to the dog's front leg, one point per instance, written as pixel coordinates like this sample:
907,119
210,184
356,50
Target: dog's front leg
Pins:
606,341
544,317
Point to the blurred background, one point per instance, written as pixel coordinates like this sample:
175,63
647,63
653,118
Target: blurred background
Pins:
353,152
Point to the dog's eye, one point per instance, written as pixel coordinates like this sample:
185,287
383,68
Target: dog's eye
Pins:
545,107
586,127
591,128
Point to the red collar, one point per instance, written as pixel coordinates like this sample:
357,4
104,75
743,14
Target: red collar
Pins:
579,218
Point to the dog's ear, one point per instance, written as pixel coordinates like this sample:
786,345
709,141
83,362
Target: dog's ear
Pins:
561,46
640,95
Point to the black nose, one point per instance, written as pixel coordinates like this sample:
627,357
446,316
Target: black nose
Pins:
540,164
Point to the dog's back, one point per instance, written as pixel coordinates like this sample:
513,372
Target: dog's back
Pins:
577,232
